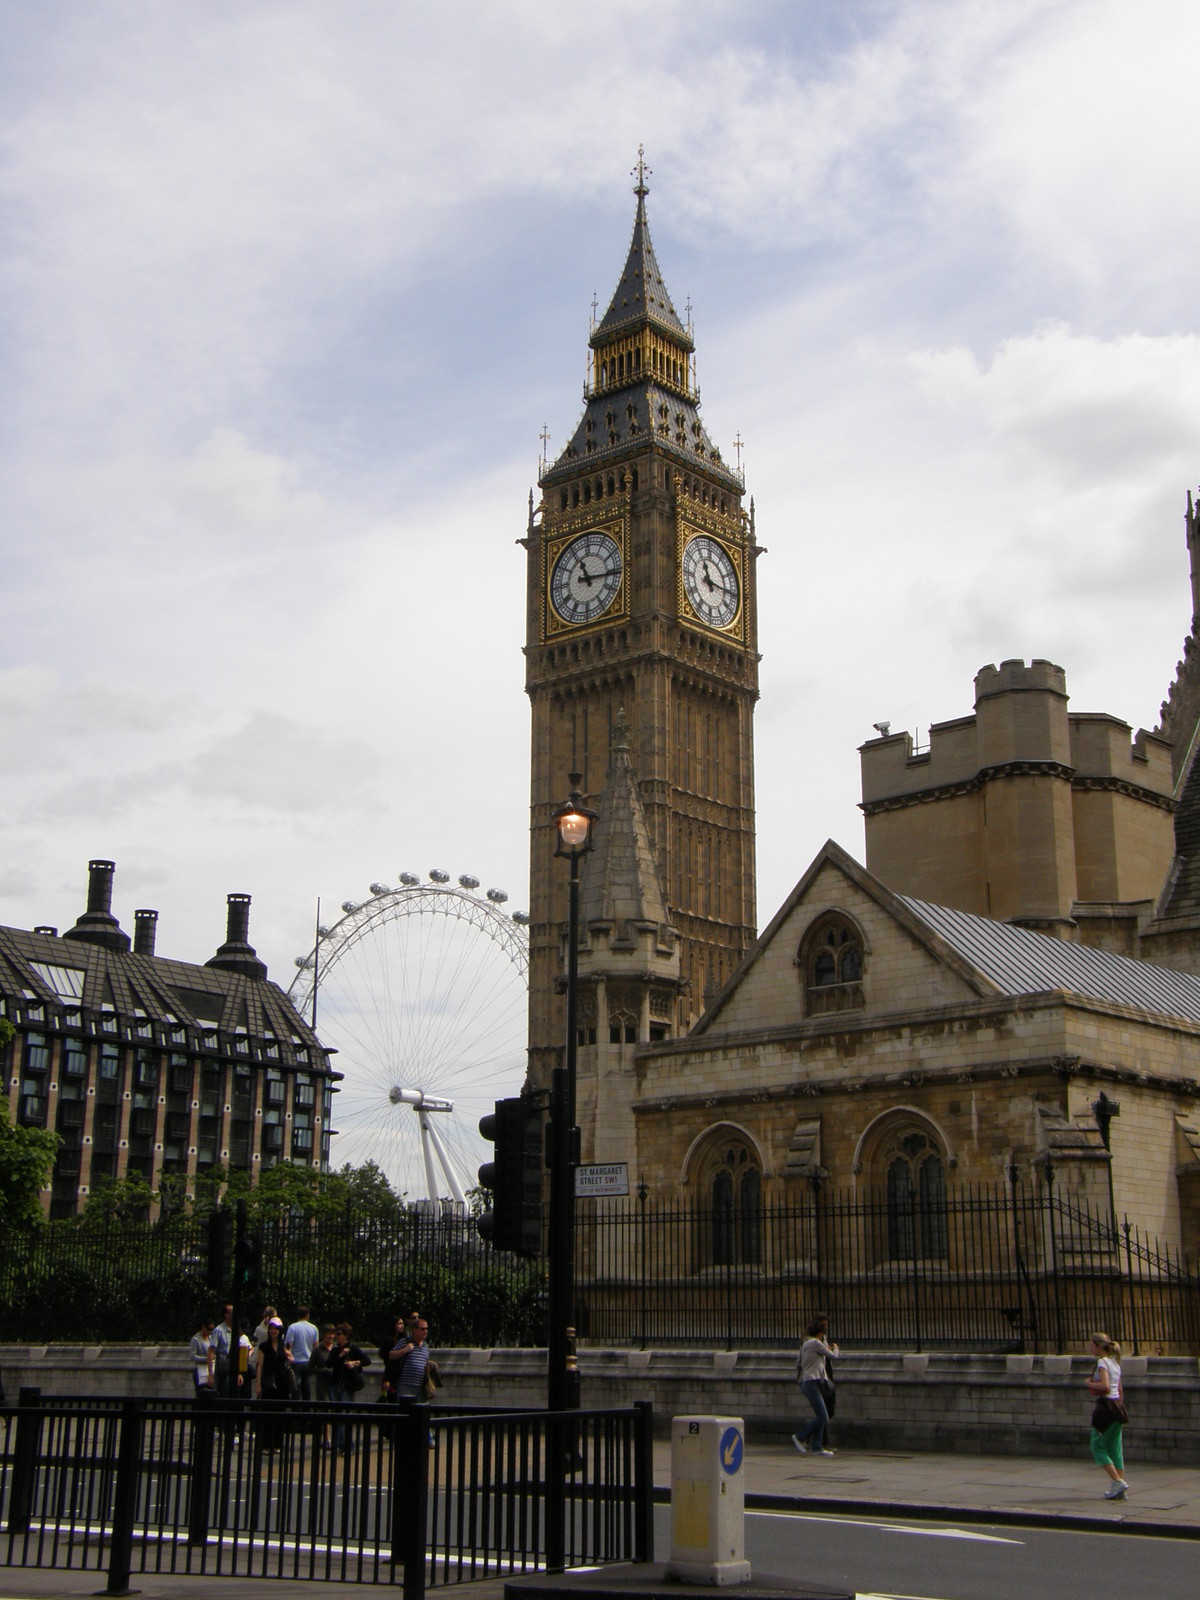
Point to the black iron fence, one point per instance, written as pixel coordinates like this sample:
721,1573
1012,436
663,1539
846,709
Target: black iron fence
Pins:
348,1494
114,1280
1013,1266
1009,1267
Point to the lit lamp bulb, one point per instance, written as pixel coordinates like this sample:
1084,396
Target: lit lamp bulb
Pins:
574,823
573,830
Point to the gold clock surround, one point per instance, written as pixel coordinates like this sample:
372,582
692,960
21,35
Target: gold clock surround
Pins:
687,528
565,533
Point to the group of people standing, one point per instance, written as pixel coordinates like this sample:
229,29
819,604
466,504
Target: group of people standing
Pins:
305,1363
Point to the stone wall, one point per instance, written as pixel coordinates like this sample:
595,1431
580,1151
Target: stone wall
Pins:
982,1405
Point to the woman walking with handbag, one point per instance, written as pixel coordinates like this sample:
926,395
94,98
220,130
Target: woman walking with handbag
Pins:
813,1377
1109,1415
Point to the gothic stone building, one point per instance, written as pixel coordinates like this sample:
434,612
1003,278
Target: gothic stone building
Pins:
868,1029
954,1009
146,1065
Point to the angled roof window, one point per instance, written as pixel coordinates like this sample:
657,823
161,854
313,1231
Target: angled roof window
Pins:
66,982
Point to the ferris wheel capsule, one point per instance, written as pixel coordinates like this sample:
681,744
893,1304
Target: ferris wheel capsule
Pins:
436,875
466,881
521,918
380,888
409,879
497,896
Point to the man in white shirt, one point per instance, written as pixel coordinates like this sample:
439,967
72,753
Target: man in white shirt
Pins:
301,1339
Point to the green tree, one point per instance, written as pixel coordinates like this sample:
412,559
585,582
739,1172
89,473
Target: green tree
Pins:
26,1161
125,1200
368,1194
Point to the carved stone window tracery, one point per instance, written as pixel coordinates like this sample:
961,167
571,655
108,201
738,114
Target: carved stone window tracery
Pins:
730,1185
831,961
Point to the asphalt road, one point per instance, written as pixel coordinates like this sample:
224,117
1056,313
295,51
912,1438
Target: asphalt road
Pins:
961,1561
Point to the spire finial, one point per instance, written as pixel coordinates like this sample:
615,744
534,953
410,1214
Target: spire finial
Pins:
641,172
544,436
620,731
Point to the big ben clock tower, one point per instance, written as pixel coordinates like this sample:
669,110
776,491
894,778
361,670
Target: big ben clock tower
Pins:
641,598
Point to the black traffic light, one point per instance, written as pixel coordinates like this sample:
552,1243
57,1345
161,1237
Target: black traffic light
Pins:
514,1177
247,1258
220,1247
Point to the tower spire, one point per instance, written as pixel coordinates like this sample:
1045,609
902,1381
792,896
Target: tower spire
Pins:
641,172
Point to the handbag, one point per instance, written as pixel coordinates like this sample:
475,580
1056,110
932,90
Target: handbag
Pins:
1105,1412
828,1394
353,1379
431,1382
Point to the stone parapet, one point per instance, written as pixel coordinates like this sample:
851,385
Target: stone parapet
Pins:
971,1404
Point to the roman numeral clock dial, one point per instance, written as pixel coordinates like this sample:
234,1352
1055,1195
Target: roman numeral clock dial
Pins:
586,578
710,581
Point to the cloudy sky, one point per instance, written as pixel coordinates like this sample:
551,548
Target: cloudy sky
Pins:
287,292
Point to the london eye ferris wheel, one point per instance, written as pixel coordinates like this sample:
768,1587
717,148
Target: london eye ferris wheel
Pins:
421,989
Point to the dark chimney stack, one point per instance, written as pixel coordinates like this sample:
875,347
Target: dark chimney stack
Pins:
145,930
97,925
237,954
237,919
100,881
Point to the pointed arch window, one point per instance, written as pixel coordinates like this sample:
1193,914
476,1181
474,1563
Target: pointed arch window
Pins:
831,961
732,1195
915,1199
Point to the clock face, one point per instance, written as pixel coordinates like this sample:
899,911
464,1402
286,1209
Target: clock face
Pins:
710,582
586,577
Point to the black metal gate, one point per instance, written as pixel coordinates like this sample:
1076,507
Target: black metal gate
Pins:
353,1494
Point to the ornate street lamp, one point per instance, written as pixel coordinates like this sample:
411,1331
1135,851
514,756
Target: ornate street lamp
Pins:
573,821
1105,1110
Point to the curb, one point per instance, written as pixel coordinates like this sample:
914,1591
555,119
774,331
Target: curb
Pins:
1051,1521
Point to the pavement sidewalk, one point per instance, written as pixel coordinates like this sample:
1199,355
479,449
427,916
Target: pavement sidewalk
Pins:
1009,1488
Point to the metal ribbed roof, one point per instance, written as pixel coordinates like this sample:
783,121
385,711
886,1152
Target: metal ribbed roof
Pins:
1019,961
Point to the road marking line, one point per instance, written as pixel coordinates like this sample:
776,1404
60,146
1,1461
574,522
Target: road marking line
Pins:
892,1527
894,1597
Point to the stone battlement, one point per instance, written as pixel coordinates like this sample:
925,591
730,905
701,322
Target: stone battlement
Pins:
1014,677
1020,719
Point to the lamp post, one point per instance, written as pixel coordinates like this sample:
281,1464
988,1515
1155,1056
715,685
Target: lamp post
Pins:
1104,1110
573,821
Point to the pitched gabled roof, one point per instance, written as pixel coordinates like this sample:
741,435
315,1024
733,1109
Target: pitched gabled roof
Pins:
1019,961
993,958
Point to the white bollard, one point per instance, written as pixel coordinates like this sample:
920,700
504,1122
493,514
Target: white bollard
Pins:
708,1501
